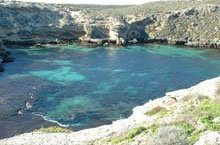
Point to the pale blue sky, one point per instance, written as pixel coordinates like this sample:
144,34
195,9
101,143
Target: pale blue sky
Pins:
113,2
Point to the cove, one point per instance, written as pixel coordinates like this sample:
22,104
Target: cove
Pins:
84,87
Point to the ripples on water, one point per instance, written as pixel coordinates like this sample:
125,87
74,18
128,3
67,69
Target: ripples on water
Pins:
80,86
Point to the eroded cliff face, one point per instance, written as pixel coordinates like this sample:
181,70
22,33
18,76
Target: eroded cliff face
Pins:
196,26
30,23
33,23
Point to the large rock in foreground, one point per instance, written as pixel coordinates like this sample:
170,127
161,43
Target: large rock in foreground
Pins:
209,138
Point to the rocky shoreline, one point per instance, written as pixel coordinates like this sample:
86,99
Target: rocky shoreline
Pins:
181,100
194,24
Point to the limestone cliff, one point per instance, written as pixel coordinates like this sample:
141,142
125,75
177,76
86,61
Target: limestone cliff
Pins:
37,23
194,23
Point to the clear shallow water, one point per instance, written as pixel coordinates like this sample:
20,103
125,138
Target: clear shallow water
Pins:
84,87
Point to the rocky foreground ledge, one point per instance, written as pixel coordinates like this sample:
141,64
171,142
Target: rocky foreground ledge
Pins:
188,116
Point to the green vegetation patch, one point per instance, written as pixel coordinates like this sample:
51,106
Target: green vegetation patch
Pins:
168,135
204,113
156,110
188,128
198,115
153,129
133,133
211,110
53,129
207,110
191,133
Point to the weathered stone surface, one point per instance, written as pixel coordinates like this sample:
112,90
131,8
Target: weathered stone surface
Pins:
195,26
37,23
209,138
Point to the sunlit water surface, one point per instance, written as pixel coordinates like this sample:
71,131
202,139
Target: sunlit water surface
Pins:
83,87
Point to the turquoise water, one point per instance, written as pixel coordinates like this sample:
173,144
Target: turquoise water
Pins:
84,87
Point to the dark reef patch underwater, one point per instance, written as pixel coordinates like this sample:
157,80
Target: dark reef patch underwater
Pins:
84,87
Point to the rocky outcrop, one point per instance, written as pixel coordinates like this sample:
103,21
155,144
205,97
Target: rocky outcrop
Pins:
209,138
174,108
29,23
196,26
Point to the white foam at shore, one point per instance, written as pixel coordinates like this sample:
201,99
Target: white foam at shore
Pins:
53,121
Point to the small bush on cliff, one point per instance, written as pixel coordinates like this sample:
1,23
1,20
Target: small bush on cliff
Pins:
211,108
169,135
187,128
155,111
205,113
153,129
54,129
133,133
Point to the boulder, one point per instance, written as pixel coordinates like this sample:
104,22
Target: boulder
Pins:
133,41
123,42
106,44
209,138
38,45
191,11
172,16
120,41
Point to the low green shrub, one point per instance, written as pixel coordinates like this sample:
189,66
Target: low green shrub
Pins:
187,128
155,111
168,135
153,129
53,129
211,110
133,133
